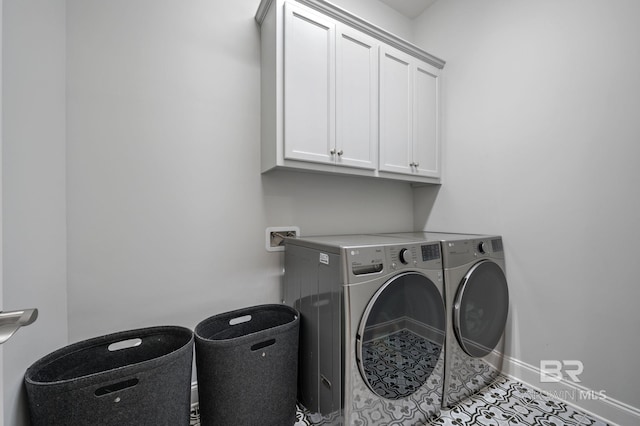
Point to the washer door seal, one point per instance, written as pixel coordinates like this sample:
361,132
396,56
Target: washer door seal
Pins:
401,335
480,308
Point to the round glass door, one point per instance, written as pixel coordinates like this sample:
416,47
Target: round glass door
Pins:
480,309
401,336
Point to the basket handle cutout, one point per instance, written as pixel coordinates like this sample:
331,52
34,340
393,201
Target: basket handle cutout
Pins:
264,344
124,344
240,320
115,387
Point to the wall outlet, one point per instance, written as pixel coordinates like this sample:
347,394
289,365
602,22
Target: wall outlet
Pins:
275,236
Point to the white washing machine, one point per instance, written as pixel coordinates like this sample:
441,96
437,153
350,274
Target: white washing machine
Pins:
477,305
372,327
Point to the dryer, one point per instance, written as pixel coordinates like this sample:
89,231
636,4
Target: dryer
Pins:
372,327
477,305
477,302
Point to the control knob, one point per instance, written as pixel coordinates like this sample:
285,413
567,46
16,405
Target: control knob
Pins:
482,247
404,256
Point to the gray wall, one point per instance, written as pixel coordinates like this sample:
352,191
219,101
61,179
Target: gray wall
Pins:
158,102
33,186
167,209
542,107
381,15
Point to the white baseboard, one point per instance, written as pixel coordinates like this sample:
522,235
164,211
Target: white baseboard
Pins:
593,402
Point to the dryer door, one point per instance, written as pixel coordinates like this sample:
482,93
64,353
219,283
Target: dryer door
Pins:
480,308
400,336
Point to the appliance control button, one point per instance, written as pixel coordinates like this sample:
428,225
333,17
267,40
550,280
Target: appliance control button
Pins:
404,256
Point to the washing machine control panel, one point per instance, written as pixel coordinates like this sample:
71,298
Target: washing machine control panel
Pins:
430,252
404,255
415,256
363,262
464,251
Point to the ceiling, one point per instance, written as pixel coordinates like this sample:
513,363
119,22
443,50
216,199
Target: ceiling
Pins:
409,8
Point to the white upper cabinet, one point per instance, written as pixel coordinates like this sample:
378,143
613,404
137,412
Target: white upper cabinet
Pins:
396,143
409,118
426,120
339,95
356,99
330,91
309,85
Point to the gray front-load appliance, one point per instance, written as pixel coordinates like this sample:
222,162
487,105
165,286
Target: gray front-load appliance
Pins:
477,304
477,301
372,327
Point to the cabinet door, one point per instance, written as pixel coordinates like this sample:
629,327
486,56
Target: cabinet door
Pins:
356,99
309,85
426,126
395,111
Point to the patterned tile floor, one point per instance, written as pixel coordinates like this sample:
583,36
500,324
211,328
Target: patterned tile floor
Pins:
506,402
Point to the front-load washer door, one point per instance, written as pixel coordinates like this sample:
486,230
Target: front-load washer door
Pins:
400,336
480,308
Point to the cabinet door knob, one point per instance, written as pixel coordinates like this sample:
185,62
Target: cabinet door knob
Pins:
417,164
340,153
332,152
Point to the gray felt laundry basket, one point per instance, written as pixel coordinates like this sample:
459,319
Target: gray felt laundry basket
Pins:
247,365
137,377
